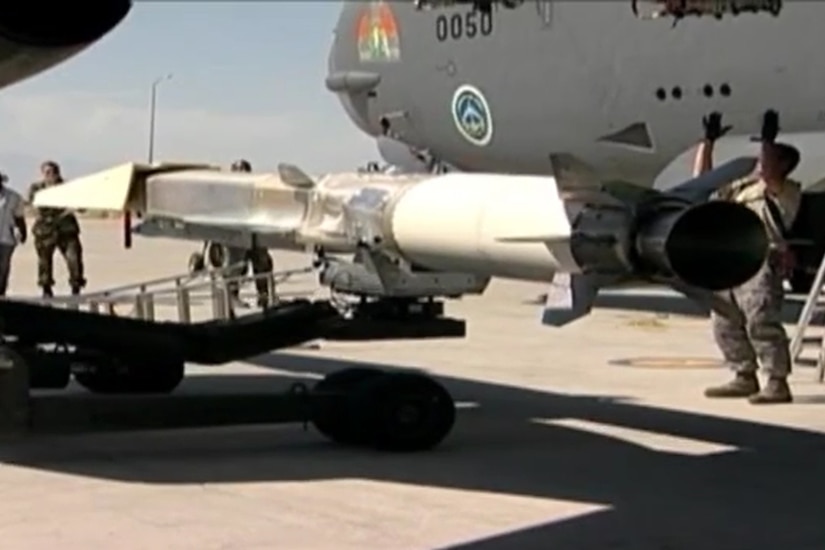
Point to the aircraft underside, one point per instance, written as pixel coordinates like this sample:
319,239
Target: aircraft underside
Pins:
33,40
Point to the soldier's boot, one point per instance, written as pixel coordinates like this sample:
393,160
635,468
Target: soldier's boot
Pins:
744,384
263,301
48,292
76,290
776,390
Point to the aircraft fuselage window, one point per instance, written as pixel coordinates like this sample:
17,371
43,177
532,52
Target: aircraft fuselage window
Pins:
461,26
678,9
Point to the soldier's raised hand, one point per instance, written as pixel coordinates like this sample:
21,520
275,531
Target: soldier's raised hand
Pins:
713,126
770,126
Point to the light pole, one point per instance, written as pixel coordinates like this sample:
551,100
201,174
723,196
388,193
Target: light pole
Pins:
152,108
127,216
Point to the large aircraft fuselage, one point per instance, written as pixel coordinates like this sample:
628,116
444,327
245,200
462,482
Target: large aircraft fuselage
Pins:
590,80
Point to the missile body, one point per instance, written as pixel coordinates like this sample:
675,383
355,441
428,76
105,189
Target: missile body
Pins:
522,227
460,223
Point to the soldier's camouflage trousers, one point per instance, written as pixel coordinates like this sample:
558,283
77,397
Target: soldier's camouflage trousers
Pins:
261,263
756,336
71,250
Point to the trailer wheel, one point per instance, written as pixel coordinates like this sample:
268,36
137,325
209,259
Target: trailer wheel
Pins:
217,255
48,370
801,282
197,263
329,404
112,378
402,412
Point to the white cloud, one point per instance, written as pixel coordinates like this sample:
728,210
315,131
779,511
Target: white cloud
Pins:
87,132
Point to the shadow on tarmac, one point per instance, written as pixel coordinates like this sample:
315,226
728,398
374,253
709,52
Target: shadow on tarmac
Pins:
762,495
671,303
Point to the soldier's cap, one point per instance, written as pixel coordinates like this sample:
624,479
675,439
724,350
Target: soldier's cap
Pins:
3,178
241,165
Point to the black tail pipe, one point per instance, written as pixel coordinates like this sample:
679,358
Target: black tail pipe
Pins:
714,246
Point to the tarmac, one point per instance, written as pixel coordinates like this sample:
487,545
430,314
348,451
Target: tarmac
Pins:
595,435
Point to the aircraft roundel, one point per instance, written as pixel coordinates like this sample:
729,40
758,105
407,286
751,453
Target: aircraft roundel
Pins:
472,116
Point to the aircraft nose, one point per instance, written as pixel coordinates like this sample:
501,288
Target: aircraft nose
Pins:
346,78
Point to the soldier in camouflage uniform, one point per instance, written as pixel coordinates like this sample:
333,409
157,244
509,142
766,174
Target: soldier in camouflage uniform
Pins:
756,335
56,228
257,256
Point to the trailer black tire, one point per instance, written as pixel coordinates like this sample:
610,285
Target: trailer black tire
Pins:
14,391
48,371
197,263
801,282
121,379
330,399
402,412
217,255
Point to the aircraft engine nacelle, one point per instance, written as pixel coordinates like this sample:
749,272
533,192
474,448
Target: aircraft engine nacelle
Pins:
33,40
711,246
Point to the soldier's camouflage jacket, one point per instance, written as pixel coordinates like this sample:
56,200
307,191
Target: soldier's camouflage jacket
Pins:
52,221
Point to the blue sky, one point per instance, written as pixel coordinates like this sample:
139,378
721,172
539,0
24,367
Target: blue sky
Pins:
248,82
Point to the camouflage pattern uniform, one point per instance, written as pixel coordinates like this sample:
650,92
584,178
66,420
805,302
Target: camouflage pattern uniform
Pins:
261,263
56,228
258,257
756,335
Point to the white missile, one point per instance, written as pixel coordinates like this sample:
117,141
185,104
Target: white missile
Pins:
521,227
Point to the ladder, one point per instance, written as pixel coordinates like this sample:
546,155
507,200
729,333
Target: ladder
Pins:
146,295
813,302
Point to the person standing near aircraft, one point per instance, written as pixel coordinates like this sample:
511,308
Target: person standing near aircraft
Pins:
257,256
56,228
756,334
12,229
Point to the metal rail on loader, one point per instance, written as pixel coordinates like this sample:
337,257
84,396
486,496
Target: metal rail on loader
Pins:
111,342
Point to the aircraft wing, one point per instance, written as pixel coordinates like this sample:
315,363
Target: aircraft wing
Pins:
114,189
33,44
